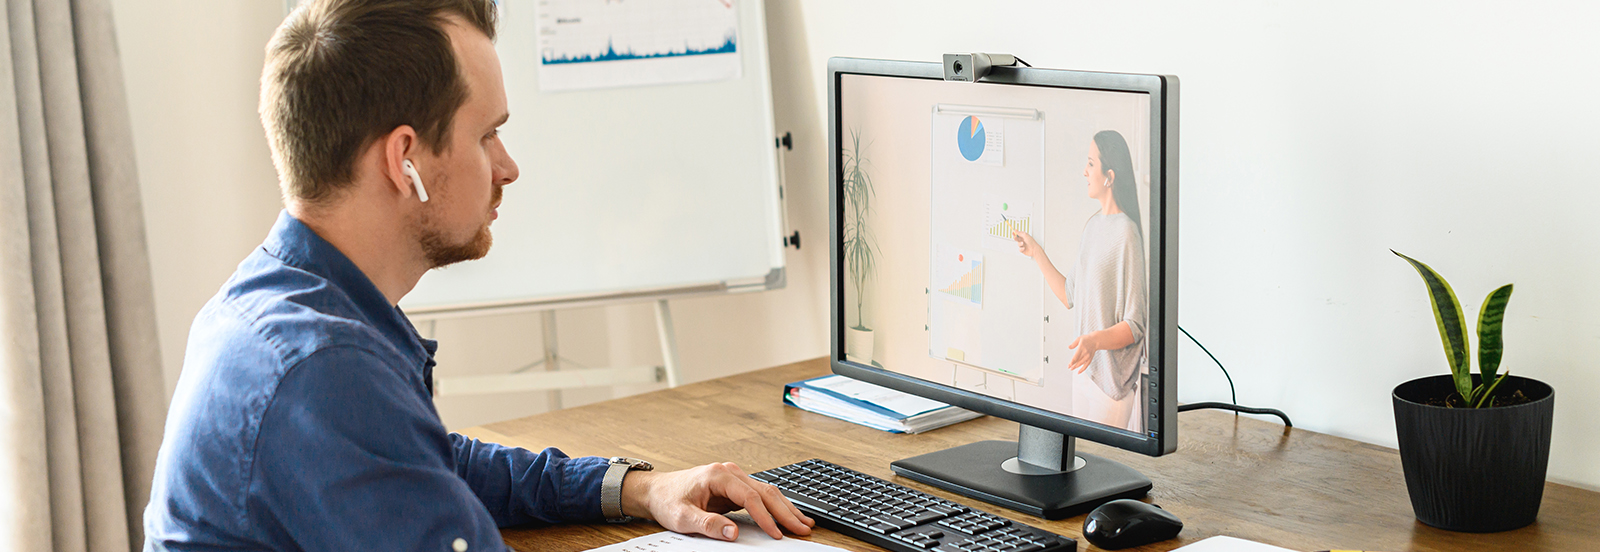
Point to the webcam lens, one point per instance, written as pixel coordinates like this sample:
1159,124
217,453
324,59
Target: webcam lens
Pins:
957,66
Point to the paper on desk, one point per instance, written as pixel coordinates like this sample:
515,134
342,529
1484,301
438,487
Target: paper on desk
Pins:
901,403
1230,544
751,539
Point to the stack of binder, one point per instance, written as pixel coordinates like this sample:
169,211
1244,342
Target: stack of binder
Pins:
876,407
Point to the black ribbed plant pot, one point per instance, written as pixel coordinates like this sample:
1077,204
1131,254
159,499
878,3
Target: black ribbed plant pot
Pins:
1477,470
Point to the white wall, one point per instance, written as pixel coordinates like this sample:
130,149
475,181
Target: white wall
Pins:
1316,136
209,190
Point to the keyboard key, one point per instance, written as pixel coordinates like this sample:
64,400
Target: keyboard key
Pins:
957,527
894,522
819,499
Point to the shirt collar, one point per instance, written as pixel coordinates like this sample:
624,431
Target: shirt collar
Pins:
294,243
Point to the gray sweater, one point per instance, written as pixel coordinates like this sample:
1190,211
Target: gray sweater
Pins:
1107,286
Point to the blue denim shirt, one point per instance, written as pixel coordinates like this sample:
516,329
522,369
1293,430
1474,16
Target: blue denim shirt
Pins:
304,421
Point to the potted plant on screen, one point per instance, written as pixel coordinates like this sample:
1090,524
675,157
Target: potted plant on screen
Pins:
859,252
1474,447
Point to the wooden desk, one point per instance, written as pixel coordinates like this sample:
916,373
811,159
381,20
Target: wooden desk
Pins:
1231,475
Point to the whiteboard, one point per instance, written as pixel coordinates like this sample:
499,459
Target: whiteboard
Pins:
626,193
986,300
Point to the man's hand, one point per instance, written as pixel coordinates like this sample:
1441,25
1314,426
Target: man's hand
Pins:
692,501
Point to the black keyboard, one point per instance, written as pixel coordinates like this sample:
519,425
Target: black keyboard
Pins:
901,519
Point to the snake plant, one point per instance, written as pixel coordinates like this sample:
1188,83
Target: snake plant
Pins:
1453,332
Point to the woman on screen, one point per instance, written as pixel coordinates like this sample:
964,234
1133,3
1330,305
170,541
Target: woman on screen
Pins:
1105,289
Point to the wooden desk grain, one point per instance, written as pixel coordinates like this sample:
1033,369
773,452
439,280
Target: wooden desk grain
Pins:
1231,475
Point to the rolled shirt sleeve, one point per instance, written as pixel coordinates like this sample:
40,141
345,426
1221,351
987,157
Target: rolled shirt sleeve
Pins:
1134,290
518,486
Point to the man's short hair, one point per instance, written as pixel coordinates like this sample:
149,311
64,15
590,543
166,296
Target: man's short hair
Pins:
342,73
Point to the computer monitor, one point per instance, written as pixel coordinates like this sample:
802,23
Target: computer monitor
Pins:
1010,246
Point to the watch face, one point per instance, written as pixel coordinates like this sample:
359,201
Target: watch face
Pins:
631,463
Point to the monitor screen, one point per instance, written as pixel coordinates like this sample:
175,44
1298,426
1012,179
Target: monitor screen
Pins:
1009,246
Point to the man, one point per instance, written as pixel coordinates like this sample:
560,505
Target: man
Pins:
303,418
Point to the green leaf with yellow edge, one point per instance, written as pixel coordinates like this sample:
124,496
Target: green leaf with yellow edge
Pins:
1452,325
1490,345
1488,390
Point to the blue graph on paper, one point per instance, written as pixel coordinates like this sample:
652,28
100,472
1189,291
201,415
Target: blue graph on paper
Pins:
729,45
970,138
587,31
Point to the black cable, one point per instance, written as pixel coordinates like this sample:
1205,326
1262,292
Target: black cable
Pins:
1231,391
1019,60
1237,408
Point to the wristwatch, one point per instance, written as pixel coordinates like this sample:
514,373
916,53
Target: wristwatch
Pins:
611,486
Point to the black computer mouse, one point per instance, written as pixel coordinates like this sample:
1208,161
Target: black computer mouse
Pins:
1127,523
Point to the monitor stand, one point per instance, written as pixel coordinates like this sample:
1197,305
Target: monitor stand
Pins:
1040,474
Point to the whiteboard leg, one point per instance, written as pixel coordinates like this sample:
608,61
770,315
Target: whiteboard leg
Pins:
552,354
783,194
669,342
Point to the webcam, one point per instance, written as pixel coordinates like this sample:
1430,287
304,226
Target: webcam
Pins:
974,66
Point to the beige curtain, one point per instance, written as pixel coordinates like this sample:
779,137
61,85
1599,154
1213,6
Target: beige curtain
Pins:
81,391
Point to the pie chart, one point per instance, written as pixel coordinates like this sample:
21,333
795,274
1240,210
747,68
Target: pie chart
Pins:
970,138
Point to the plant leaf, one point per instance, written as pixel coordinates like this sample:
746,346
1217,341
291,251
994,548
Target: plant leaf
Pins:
1490,346
1452,326
857,194
1489,390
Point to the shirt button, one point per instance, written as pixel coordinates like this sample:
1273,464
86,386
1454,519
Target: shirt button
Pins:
460,545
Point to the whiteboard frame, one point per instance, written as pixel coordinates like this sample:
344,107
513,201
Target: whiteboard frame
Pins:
775,279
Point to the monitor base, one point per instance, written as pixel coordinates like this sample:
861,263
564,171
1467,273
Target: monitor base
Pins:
975,470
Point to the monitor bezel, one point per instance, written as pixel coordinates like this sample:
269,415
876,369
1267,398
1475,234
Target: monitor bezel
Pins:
1161,433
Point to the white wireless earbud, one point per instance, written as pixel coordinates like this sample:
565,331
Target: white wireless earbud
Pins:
406,168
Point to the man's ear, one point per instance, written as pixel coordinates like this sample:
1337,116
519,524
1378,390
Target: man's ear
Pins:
398,146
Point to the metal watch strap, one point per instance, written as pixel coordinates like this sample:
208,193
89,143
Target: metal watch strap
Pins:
611,487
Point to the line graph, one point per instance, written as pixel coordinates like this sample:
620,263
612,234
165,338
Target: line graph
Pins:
590,31
728,46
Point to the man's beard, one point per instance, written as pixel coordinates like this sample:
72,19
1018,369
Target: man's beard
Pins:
440,252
